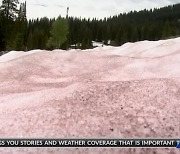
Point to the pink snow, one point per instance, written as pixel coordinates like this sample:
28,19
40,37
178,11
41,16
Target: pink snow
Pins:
131,91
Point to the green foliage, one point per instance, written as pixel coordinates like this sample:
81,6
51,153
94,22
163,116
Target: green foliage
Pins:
2,35
167,31
58,33
18,43
9,8
16,33
20,28
38,33
13,25
127,27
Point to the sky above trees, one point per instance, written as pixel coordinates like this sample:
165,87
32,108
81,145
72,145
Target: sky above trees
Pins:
89,8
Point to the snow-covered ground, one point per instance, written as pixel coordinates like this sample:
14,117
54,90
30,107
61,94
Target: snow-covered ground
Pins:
109,92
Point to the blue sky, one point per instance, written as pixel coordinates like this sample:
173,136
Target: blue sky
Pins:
89,8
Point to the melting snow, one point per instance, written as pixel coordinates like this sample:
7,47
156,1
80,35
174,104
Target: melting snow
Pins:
134,89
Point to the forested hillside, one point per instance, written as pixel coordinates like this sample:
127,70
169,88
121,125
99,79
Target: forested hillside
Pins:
17,33
13,25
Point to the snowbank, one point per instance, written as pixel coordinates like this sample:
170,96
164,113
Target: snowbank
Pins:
16,54
148,49
109,92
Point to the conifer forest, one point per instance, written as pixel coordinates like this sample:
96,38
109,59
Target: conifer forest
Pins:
18,33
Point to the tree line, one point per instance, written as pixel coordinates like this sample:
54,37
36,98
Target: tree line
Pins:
17,33
13,25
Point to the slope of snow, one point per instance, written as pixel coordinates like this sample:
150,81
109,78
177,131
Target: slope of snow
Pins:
16,54
108,92
148,48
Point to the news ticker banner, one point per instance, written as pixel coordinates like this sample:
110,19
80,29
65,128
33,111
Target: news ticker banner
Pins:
92,143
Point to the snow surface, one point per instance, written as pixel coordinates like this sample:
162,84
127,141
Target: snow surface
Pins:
98,44
108,92
16,54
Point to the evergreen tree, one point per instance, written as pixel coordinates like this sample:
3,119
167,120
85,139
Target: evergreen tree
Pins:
9,12
2,35
9,8
166,30
21,28
30,41
16,33
58,33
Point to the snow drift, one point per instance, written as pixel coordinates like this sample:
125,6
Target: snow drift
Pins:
109,92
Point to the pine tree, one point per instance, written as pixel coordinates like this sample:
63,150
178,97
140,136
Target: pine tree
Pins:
166,30
30,41
9,12
9,8
134,35
2,35
20,28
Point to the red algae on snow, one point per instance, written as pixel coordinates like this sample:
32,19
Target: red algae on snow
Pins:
106,92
